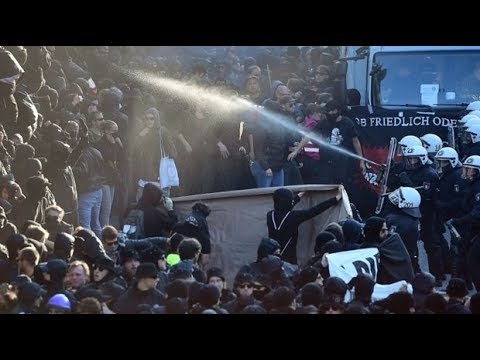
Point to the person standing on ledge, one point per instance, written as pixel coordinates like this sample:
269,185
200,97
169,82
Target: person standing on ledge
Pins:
283,222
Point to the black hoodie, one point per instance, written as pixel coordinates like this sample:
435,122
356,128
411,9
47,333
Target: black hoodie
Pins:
283,223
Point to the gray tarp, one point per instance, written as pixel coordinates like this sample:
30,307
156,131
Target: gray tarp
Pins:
238,222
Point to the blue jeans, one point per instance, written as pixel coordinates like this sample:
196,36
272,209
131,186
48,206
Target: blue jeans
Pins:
263,180
108,192
89,210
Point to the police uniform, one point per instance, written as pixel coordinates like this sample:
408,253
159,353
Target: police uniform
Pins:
469,227
450,192
427,177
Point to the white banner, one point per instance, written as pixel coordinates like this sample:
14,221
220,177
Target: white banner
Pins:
348,264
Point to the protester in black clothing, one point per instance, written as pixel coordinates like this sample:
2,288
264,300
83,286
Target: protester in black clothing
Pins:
457,292
64,186
159,216
7,229
196,226
283,222
111,148
394,263
142,291
63,246
34,206
339,131
54,223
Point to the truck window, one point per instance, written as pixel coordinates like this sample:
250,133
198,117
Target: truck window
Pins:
426,78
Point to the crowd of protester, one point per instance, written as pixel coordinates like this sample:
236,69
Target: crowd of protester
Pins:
79,158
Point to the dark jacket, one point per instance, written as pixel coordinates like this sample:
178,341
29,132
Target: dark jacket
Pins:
451,188
88,170
8,230
64,187
53,230
288,231
468,221
456,307
196,226
395,263
128,302
236,306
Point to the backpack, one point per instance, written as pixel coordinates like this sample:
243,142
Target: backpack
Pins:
133,226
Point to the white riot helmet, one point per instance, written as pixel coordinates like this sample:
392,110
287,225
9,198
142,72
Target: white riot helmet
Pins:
463,129
470,122
408,199
474,105
432,143
472,162
474,132
446,157
406,142
464,119
414,153
475,113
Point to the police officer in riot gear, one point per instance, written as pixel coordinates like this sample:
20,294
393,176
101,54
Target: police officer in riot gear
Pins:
402,214
472,135
393,181
451,189
432,143
469,223
419,173
463,141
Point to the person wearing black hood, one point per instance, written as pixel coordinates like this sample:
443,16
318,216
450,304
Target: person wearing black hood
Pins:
104,271
23,152
395,263
423,285
91,247
64,187
7,150
10,194
53,274
352,234
196,226
283,222
30,298
28,116
158,214
323,238
63,246
267,247
7,229
34,205
54,223
363,289
10,73
9,267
